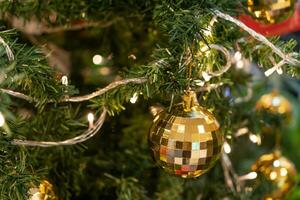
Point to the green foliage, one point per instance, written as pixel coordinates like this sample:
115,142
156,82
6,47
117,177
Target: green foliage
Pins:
116,164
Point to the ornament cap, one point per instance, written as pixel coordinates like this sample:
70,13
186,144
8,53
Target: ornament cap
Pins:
189,100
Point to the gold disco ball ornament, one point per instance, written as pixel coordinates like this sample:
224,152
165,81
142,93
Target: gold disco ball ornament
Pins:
271,11
278,170
186,142
274,103
45,191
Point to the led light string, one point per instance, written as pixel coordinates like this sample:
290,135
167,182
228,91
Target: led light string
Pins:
286,59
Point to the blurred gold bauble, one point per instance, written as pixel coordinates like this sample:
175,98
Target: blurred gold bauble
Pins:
274,103
186,141
45,191
279,170
271,11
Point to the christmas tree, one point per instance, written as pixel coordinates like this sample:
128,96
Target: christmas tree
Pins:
130,99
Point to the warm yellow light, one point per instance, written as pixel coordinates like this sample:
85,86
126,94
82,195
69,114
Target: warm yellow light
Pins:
252,175
91,119
97,59
227,148
253,138
249,176
64,80
206,76
134,98
242,131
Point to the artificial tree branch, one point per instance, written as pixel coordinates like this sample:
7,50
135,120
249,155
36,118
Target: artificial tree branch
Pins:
35,27
78,139
17,95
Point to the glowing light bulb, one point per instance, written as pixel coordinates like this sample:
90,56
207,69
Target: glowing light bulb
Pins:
227,148
91,119
2,120
97,59
241,131
253,138
206,76
252,175
134,98
249,176
64,80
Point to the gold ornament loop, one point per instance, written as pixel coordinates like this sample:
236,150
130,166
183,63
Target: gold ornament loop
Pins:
189,100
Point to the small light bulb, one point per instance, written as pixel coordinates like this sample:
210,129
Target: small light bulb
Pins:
242,131
134,98
91,118
229,137
206,76
97,59
249,176
199,82
2,120
226,148
253,138
64,80
252,175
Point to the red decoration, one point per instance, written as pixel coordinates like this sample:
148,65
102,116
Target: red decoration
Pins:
292,24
